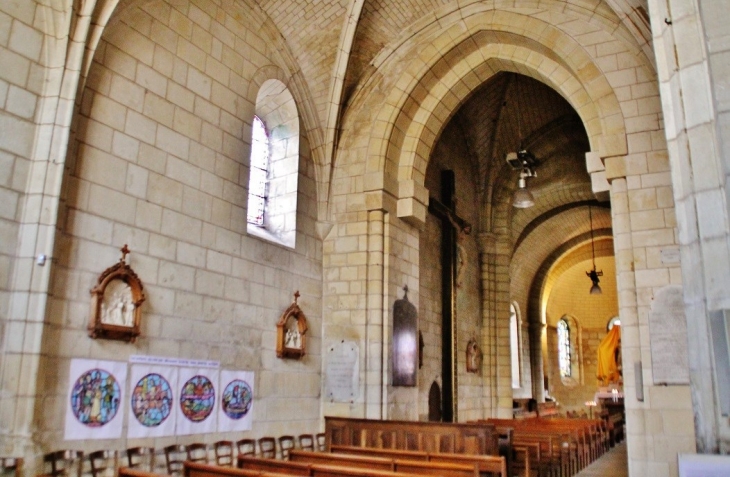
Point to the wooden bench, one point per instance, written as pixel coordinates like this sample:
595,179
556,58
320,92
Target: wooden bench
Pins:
195,469
130,472
486,465
566,445
458,438
281,467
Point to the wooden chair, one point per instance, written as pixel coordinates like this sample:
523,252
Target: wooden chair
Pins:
267,447
306,442
321,442
246,447
175,455
65,463
11,466
141,458
286,443
224,453
103,463
197,452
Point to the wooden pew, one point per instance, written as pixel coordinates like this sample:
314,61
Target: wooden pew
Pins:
459,438
273,465
575,442
281,467
195,469
422,467
129,472
492,465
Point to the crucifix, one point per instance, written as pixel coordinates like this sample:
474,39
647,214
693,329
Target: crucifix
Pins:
453,229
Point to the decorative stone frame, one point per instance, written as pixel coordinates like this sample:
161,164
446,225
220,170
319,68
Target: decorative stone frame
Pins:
119,272
285,329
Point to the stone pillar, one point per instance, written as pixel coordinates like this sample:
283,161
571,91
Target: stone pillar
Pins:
537,335
494,256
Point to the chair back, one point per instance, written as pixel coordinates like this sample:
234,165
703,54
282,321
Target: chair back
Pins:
306,442
141,458
321,442
246,447
175,455
197,452
64,463
286,443
267,447
103,463
11,466
223,453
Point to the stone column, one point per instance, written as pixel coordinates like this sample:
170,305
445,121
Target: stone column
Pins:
494,257
537,334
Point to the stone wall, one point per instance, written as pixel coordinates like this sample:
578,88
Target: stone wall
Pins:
160,163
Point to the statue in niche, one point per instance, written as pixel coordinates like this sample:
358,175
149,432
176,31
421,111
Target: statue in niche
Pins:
473,357
115,303
118,305
291,338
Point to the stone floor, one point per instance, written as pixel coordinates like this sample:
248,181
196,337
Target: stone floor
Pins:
613,464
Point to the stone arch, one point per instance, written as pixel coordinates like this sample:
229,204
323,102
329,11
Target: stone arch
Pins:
434,84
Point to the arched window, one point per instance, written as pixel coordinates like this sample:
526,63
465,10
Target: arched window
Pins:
514,337
273,185
564,348
258,175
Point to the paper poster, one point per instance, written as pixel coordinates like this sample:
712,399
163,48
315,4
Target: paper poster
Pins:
152,400
197,398
96,394
235,405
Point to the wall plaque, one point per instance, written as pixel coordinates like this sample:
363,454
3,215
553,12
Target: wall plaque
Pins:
342,372
668,337
405,341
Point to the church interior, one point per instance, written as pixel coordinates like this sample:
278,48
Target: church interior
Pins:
226,220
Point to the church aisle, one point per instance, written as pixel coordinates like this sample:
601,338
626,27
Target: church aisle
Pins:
614,463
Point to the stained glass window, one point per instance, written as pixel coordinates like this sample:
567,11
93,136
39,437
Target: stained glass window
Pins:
564,348
257,182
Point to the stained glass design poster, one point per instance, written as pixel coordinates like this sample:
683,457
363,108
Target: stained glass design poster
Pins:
197,397
235,403
95,399
153,392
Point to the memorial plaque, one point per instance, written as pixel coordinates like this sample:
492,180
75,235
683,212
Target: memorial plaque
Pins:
342,372
668,337
405,342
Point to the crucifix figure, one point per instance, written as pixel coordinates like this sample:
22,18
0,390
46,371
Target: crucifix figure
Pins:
453,261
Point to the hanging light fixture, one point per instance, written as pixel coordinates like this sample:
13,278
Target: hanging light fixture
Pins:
593,274
523,161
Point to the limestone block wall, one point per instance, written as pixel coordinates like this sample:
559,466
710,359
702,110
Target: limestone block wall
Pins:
691,50
160,163
31,41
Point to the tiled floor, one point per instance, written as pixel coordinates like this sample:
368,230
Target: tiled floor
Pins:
613,464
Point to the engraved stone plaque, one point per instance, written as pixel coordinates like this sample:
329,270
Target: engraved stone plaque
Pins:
405,342
668,335
342,372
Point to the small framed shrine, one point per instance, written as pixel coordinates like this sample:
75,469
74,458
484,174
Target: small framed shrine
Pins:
291,332
116,303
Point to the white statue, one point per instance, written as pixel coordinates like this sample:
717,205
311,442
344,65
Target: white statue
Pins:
118,307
